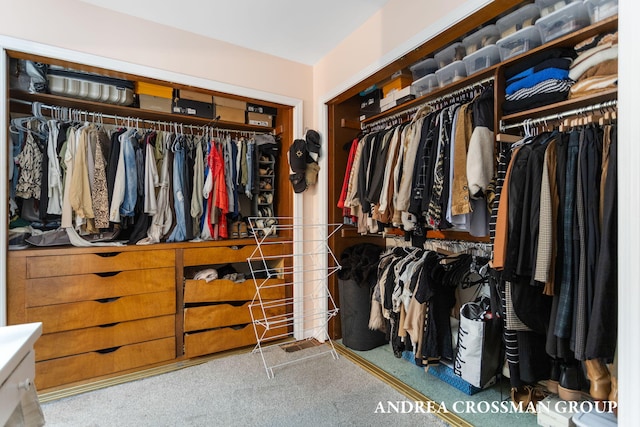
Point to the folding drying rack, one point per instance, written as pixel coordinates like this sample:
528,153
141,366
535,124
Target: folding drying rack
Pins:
303,304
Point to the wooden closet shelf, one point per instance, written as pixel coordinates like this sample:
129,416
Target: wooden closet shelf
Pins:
123,111
561,106
443,91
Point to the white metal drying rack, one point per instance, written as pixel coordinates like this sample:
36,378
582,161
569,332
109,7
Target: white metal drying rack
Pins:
304,305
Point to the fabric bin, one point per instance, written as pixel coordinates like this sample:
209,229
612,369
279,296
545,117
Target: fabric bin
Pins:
355,309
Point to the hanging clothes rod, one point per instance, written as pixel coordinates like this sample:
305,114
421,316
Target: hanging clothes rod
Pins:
560,116
136,120
409,112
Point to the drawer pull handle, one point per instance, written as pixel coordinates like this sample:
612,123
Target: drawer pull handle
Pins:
236,247
108,325
108,273
106,300
108,350
108,254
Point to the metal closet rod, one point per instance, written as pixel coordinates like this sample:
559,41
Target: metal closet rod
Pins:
560,116
116,118
408,112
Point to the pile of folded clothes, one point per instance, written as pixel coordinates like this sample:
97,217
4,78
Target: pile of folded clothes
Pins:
596,67
540,79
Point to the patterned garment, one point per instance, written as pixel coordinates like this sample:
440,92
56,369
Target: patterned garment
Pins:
546,86
99,195
30,162
434,214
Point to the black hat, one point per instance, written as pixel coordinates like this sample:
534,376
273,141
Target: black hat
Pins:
313,141
298,156
298,182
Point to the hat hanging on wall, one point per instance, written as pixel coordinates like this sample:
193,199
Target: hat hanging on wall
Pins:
298,165
303,161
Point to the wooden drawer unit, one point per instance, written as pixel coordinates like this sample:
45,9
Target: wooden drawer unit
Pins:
84,314
215,340
104,336
225,255
219,315
99,262
101,312
106,361
197,291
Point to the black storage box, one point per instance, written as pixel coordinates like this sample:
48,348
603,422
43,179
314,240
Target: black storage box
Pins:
261,109
189,107
370,104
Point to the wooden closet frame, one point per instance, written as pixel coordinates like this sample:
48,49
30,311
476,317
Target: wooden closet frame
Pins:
344,123
288,120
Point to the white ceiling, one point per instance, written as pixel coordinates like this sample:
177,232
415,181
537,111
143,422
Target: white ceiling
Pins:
299,30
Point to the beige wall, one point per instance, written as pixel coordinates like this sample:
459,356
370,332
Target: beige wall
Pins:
79,26
396,23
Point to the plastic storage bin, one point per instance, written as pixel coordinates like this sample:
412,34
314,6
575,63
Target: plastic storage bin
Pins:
519,42
426,84
484,58
451,73
422,68
547,7
601,9
521,18
451,53
564,21
484,37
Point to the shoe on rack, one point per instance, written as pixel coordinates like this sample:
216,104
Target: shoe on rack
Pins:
570,383
554,376
599,379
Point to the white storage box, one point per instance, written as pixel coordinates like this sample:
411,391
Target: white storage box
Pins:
426,84
484,58
484,37
519,42
79,88
549,6
518,19
388,101
451,73
564,21
422,68
601,9
453,52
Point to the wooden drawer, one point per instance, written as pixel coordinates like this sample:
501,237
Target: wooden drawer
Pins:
65,370
103,262
85,287
219,315
76,315
213,341
226,254
225,290
60,344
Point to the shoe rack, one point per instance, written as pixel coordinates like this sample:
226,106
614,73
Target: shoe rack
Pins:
264,203
303,283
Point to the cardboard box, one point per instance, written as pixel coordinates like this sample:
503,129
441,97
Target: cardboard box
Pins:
144,88
259,119
397,83
231,103
155,103
229,114
193,96
193,108
261,109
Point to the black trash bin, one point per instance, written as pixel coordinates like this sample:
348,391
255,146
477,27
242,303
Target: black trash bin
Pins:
356,281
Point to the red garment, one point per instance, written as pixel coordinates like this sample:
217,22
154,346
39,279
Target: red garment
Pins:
216,165
345,182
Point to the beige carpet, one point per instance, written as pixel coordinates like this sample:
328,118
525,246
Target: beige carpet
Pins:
235,391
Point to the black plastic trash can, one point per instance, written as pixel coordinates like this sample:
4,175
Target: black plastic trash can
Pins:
356,281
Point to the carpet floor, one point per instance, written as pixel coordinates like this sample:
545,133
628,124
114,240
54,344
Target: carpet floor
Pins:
235,391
